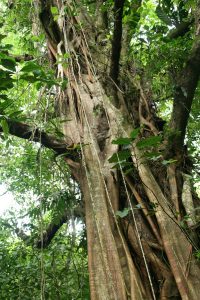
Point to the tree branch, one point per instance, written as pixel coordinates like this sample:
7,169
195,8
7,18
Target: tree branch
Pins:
25,131
53,228
183,98
116,42
180,30
50,231
49,24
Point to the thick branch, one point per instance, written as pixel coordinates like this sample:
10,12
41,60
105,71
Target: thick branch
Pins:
180,30
50,232
49,24
53,228
25,131
184,94
116,42
183,97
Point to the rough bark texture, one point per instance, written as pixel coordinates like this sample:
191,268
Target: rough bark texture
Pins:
28,132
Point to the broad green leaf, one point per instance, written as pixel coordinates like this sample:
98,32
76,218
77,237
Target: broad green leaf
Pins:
128,171
64,84
54,10
152,154
8,63
5,126
6,83
2,36
123,213
6,47
134,133
4,97
6,103
122,164
15,114
120,156
55,18
168,162
190,4
31,67
38,38
122,141
149,142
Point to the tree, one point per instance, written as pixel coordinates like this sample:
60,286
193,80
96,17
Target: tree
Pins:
132,166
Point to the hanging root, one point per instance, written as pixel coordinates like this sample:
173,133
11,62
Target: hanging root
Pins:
171,173
145,210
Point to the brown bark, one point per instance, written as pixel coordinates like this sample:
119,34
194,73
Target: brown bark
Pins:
186,85
28,132
112,273
116,42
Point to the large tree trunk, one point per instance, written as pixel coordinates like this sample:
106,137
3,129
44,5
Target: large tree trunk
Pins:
139,256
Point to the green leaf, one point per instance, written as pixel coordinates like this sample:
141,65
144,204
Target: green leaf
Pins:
55,18
31,67
149,142
6,47
128,171
29,78
2,36
5,126
6,103
120,156
6,83
168,162
134,133
54,10
122,141
152,155
4,97
8,63
123,213
123,164
15,114
64,84
38,38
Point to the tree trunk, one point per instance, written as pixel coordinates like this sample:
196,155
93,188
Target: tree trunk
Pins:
139,256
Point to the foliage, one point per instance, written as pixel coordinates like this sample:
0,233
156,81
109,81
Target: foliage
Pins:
64,264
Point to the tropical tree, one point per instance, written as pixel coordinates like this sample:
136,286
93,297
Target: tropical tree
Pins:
126,76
